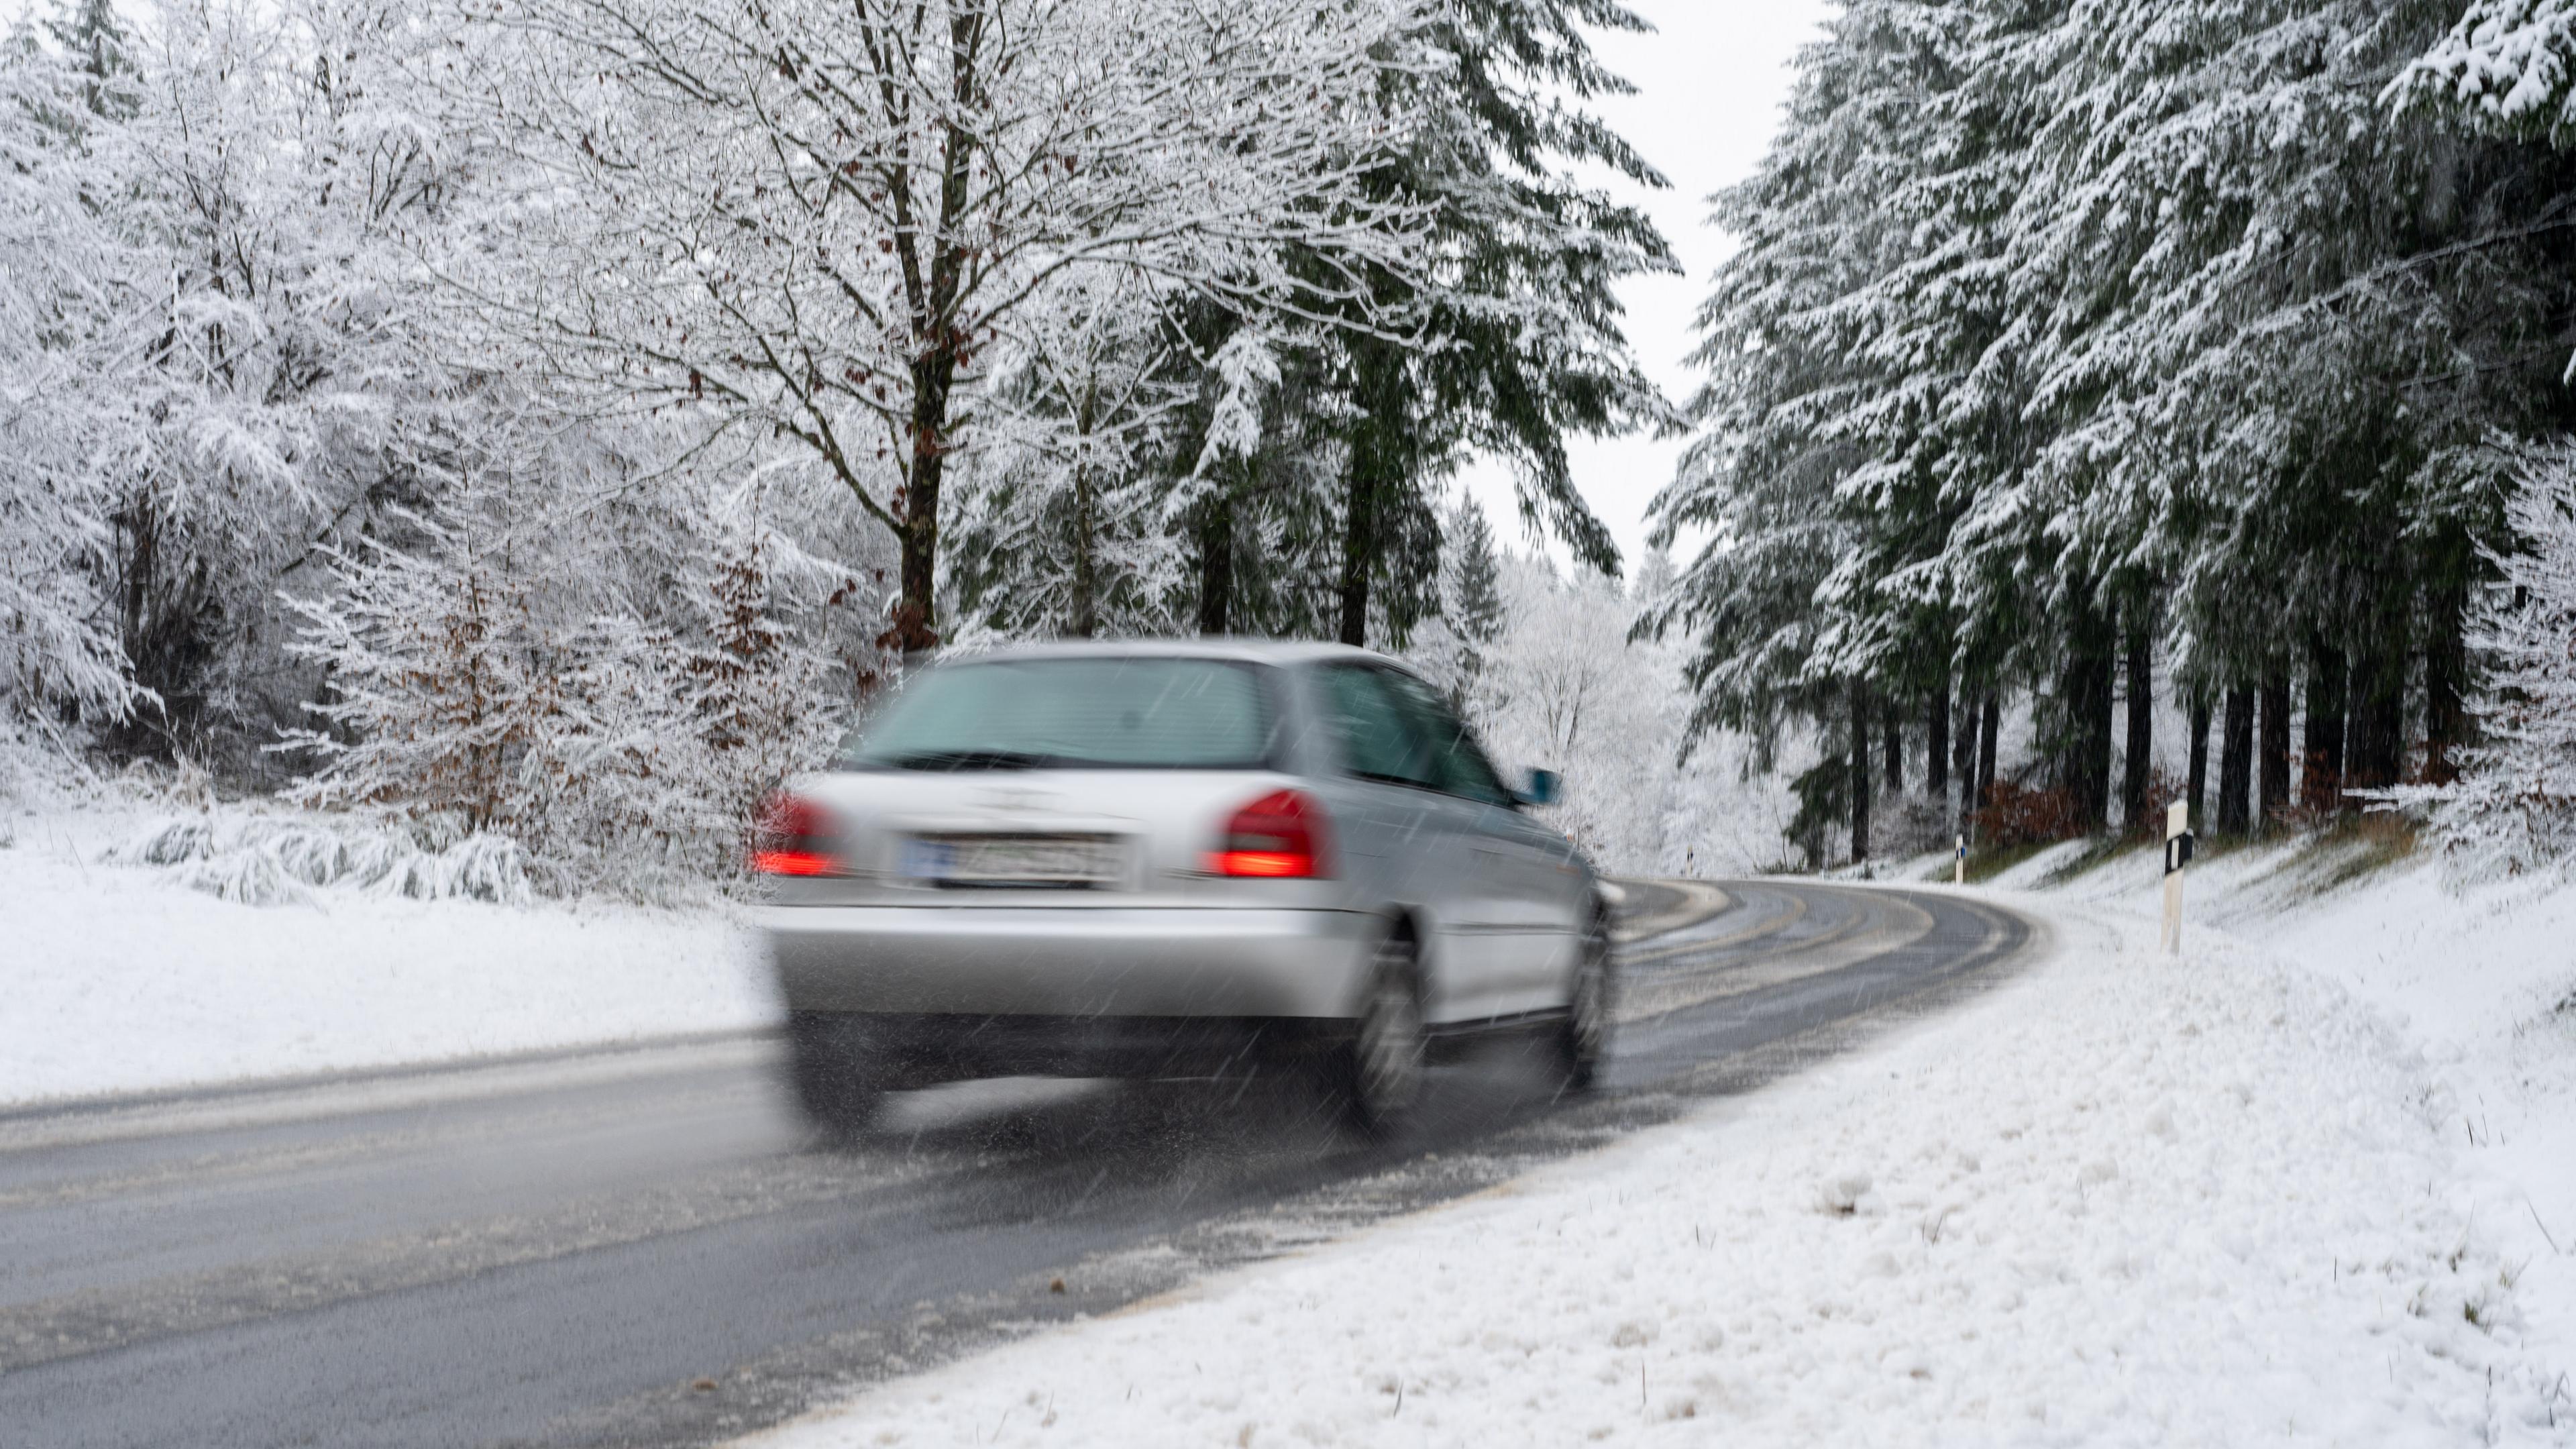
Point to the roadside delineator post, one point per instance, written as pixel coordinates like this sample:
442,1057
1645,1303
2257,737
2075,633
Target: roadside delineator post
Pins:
1959,863
2178,843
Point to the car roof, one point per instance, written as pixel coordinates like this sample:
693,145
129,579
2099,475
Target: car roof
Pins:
1259,651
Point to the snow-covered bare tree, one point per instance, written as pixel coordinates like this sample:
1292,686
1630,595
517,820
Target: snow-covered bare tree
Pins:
63,273
1586,699
825,221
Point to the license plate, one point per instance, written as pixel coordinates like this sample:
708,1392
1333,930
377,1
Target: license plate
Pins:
1012,859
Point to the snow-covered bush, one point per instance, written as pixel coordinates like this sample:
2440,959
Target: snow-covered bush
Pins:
2513,809
175,840
264,859
624,739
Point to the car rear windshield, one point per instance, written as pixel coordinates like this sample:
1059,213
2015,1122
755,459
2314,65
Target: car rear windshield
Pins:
1072,714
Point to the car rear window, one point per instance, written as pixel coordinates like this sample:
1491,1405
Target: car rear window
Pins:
1073,714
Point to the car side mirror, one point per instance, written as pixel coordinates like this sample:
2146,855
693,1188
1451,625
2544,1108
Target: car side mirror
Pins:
1542,788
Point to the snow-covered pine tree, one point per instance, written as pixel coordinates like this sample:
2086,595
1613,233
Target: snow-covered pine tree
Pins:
761,696
1260,477
2513,810
1783,604
2505,67
1472,601
96,47
2046,325
1518,343
1474,596
1067,519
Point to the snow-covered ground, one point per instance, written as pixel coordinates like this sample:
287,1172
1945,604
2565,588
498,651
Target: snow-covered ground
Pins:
117,978
2121,1199
2482,983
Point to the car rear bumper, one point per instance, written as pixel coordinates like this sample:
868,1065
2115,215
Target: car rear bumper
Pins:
900,1051
1071,962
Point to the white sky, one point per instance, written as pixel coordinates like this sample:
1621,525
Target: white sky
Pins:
1710,83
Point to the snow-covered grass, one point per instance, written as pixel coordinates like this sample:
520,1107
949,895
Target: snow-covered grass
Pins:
124,977
2122,1199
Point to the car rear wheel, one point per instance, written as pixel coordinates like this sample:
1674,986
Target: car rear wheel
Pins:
1584,1040
835,1080
1379,1071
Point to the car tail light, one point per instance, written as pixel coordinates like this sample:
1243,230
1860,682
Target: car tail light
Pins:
792,839
1280,836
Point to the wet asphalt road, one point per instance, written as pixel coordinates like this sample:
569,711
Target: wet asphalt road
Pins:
644,1247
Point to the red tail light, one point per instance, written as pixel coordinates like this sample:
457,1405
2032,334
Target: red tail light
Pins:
1280,836
792,839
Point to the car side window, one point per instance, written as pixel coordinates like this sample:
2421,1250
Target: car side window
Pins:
1379,738
1457,766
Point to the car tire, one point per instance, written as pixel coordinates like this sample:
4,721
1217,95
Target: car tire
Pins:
1583,1039
835,1080
1377,1075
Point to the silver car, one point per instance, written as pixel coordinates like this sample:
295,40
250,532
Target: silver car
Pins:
1174,859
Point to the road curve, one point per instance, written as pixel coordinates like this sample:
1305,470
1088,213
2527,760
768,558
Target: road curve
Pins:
643,1247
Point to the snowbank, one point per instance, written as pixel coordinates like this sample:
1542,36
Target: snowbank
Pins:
2484,982
121,977
2124,1199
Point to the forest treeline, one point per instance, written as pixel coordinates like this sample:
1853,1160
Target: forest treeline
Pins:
556,414
2076,352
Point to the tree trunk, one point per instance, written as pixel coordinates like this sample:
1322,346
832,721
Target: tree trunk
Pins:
1990,726
135,732
1086,531
1376,470
1359,552
2199,757
1860,772
1216,564
2273,759
2085,704
1892,733
1936,743
2445,675
1963,754
2378,732
2321,731
1085,620
2140,751
916,610
2236,763
2446,661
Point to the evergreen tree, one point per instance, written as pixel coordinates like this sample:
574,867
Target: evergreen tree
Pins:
2043,324
1474,592
94,41
1516,342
